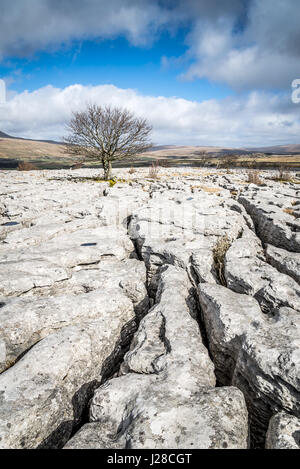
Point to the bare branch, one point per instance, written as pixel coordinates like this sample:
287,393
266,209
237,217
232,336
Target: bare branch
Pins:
107,134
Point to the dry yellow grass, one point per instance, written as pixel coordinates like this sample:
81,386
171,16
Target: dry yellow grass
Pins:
219,253
45,154
26,149
264,162
290,211
176,174
154,171
26,166
254,177
182,152
210,189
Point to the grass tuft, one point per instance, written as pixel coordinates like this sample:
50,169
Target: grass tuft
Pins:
26,166
254,177
154,170
219,252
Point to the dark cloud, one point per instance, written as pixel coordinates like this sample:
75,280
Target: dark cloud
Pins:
248,44
264,52
27,26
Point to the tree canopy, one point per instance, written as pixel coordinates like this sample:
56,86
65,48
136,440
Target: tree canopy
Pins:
107,134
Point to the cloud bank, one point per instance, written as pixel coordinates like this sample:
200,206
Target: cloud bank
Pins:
258,119
28,26
261,50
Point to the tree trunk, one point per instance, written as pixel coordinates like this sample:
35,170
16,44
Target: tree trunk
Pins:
107,169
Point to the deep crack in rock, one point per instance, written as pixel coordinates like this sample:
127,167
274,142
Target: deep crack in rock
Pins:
74,289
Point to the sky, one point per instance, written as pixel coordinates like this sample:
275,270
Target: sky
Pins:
215,72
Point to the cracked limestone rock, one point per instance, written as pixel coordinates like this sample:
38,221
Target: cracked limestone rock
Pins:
285,261
182,231
25,321
274,225
43,395
283,432
246,271
254,352
165,395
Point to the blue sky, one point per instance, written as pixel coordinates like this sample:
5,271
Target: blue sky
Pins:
113,61
215,73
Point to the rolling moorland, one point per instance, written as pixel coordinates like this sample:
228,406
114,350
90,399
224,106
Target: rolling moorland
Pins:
51,155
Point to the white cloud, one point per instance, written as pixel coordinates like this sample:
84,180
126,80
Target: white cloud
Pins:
263,53
2,92
254,119
28,26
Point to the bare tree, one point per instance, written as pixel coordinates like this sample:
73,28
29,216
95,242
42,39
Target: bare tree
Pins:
107,134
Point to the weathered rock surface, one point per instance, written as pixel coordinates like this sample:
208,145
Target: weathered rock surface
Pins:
285,261
51,262
211,420
43,395
17,277
128,276
78,248
283,432
274,225
183,231
25,321
167,398
256,353
76,257
91,436
71,298
247,272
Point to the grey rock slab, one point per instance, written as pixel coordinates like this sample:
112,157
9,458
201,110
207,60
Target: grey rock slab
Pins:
268,371
165,395
274,226
147,348
283,432
227,316
247,272
203,266
285,261
39,233
237,207
214,418
254,352
49,208
21,276
90,436
128,275
117,208
180,230
167,329
25,321
76,248
43,395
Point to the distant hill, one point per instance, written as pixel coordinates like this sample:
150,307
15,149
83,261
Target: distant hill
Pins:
50,154
3,135
288,149
41,153
278,149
